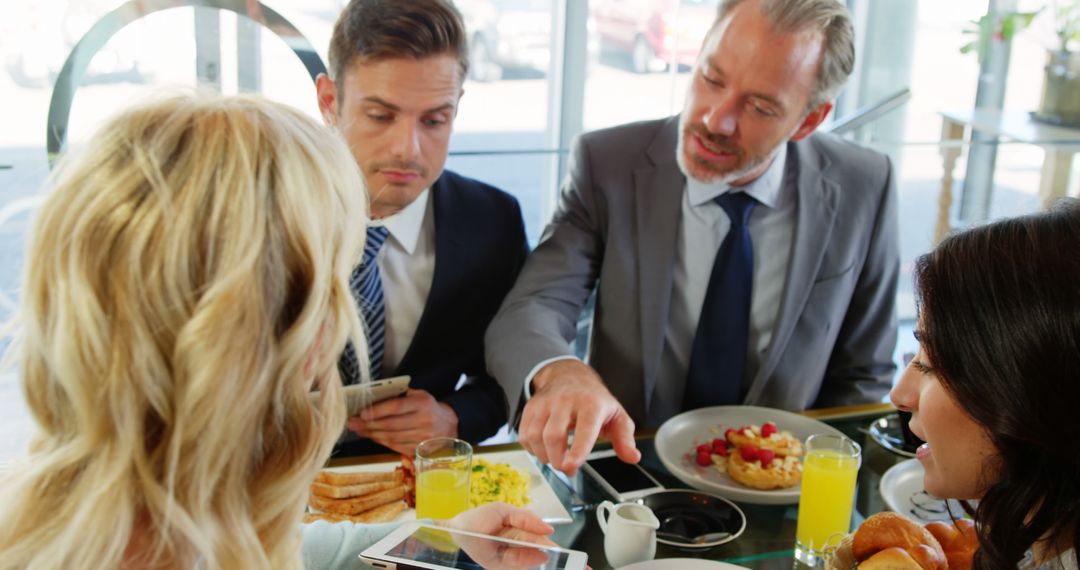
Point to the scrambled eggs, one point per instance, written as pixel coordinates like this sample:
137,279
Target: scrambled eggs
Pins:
497,482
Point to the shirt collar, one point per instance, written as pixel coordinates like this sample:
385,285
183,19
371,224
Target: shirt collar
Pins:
765,188
406,224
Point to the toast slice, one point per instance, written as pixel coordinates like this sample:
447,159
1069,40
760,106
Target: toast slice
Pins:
348,478
356,505
385,513
349,491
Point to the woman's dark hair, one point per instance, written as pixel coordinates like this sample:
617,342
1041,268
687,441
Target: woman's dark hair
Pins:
1000,321
385,29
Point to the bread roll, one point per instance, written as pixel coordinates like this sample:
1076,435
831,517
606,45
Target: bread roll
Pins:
958,541
887,530
892,558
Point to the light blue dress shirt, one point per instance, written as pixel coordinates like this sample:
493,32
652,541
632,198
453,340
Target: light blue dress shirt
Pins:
702,228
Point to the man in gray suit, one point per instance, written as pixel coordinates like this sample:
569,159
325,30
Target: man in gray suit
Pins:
645,216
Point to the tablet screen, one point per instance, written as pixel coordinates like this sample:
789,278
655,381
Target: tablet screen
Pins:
442,548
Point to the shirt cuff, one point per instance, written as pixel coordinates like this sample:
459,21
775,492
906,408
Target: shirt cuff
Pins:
536,369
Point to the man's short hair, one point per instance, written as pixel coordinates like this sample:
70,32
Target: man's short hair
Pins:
831,18
383,29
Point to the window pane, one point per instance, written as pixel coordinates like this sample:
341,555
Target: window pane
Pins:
647,48
502,134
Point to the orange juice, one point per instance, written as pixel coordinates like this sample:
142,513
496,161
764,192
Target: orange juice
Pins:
441,493
828,491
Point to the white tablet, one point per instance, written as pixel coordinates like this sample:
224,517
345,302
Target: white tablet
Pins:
359,395
424,547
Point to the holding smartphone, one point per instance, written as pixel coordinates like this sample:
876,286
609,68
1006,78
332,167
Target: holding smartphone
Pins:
623,481
357,396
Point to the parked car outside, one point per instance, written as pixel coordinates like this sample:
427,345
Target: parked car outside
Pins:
511,37
507,35
650,35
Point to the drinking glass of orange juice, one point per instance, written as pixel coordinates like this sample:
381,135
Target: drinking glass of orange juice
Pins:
443,465
828,492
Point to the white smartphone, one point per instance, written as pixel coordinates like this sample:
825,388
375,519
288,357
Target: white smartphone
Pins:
425,547
623,481
359,395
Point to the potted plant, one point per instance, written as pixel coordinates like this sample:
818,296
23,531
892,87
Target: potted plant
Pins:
1060,102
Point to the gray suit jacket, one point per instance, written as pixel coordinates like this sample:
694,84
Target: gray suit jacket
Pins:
616,226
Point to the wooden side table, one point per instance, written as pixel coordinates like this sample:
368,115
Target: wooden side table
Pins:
1059,144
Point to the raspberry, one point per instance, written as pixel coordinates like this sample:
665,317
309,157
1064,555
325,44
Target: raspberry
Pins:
727,435
767,429
766,456
749,452
704,448
703,459
719,446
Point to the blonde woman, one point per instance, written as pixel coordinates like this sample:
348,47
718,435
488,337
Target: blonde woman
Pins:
185,291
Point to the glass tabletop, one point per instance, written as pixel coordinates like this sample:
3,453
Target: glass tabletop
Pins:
769,539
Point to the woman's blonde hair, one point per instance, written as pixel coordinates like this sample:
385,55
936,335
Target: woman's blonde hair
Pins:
186,288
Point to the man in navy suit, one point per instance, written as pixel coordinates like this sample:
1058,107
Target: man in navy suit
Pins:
453,246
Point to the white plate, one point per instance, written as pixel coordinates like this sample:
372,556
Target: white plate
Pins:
542,498
677,438
682,564
902,489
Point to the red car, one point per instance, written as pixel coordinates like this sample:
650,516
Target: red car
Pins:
653,34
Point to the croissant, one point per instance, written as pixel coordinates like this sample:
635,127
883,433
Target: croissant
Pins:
888,541
958,541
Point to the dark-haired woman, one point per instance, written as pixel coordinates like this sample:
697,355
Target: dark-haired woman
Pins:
995,387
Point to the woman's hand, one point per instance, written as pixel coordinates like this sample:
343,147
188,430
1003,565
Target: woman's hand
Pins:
502,520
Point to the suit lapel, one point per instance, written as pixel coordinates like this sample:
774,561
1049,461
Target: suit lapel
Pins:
816,213
658,190
448,262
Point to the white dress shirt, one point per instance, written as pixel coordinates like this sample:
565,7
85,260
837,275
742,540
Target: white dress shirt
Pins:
702,228
407,267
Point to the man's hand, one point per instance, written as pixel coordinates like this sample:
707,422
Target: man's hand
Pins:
568,395
401,423
500,519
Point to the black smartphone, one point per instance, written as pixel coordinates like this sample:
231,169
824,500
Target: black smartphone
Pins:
623,481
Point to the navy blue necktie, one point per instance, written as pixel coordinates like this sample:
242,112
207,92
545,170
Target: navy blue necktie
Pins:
718,359
366,284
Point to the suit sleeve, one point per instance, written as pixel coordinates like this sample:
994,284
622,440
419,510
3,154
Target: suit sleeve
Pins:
538,319
481,404
861,366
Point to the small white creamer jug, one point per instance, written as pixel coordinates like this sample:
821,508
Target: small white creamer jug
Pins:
629,532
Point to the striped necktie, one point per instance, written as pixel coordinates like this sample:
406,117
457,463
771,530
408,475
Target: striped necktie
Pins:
718,358
366,285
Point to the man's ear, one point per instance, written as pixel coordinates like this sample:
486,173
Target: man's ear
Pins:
812,120
326,91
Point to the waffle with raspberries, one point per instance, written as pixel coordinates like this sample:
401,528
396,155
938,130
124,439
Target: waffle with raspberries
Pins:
761,457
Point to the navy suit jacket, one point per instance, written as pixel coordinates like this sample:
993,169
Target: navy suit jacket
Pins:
480,247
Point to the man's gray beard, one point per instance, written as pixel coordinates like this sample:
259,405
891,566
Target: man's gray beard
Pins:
726,177
729,177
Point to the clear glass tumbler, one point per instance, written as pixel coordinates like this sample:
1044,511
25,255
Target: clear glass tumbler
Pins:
828,494
443,465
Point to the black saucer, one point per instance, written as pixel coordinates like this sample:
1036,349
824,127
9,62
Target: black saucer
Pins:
694,519
888,432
